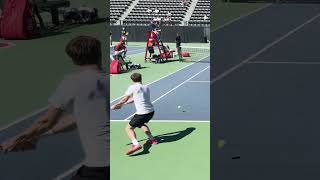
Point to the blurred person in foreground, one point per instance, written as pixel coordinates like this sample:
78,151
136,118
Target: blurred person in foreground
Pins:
78,102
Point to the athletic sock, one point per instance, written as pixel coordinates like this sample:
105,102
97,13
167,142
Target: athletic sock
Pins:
134,142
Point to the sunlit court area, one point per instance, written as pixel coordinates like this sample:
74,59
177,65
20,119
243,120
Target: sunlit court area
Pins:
168,42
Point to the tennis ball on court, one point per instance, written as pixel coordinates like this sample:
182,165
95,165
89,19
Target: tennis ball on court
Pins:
179,107
221,143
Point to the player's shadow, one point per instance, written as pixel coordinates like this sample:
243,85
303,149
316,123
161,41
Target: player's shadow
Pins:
166,138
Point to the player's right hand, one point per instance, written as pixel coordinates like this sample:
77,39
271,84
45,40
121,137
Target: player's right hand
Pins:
18,143
116,106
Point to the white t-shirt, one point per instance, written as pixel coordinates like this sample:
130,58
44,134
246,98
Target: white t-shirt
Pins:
84,93
141,97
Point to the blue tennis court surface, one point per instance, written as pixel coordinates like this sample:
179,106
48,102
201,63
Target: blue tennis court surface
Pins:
266,99
266,95
132,50
188,88
69,146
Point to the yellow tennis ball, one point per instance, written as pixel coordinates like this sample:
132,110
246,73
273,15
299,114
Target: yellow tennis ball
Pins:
221,143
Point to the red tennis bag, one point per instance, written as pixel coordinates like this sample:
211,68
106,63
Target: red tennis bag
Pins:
185,54
18,21
0,22
166,55
115,67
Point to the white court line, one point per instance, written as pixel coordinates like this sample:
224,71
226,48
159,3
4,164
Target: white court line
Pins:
74,168
165,76
24,118
174,88
284,62
268,46
44,108
220,27
241,17
135,51
165,121
199,81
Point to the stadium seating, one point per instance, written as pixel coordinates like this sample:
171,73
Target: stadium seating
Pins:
201,10
139,14
117,8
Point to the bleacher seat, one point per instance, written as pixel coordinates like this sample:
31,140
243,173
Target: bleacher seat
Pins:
201,10
139,14
117,8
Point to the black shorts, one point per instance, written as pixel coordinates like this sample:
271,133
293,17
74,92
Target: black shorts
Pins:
92,173
139,120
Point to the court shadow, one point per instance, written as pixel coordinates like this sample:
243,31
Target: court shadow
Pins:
165,138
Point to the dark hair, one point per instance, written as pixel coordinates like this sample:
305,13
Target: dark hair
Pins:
136,77
85,50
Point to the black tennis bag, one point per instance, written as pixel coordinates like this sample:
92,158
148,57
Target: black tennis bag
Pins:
88,15
81,15
72,15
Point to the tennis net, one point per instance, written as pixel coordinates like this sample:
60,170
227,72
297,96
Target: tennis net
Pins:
196,50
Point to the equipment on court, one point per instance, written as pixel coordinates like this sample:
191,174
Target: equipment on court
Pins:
194,51
221,143
135,66
185,54
71,15
115,67
88,15
1,17
18,21
80,15
153,40
157,59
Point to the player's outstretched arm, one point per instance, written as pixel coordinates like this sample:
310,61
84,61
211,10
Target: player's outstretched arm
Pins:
66,123
28,138
119,105
130,100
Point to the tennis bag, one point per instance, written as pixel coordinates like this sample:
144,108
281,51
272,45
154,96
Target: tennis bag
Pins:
185,54
1,17
80,15
166,54
18,21
115,67
157,59
72,15
88,15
